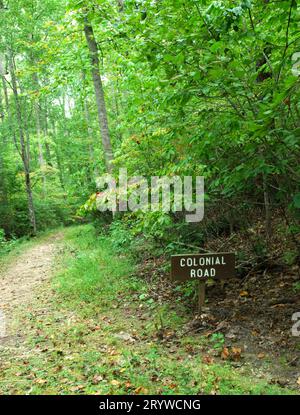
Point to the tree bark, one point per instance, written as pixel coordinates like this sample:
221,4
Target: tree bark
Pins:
99,94
268,219
40,149
41,159
46,134
86,111
23,146
57,155
3,187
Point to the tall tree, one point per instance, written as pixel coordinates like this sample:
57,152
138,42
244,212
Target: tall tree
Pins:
99,94
24,147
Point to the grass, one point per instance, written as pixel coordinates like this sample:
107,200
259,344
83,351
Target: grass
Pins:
95,329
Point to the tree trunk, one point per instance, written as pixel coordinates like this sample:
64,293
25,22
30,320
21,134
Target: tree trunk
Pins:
23,147
46,134
41,159
268,219
3,187
58,160
86,111
99,94
90,137
40,149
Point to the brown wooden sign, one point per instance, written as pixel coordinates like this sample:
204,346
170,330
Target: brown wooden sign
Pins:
202,266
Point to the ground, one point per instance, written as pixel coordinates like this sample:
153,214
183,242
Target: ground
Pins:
18,282
82,319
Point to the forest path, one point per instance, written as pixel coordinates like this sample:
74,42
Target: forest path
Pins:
80,321
21,278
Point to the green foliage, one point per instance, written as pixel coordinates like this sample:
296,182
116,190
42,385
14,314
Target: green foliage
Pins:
121,238
7,245
192,88
212,93
290,257
92,274
217,340
296,286
2,236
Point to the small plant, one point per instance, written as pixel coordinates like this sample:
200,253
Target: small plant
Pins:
2,237
217,340
6,245
120,236
259,247
290,257
296,286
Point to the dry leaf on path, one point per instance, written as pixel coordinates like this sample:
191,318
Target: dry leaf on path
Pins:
225,353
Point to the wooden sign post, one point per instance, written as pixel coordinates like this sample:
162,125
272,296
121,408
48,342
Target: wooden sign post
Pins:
201,296
201,267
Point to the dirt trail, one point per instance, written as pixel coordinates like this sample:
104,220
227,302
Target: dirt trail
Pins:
19,281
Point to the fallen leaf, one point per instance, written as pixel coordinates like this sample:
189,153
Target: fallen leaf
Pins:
115,382
97,379
41,381
141,391
236,353
208,360
76,388
113,353
96,328
244,294
125,336
225,353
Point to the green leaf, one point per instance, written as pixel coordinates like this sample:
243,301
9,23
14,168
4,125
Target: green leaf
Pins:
296,201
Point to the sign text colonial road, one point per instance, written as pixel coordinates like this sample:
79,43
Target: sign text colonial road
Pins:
202,266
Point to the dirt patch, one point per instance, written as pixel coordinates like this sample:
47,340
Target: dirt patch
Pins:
18,283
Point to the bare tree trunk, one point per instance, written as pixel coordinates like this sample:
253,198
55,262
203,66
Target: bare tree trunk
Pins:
99,94
41,159
1,104
3,187
40,149
58,160
5,107
7,113
46,134
267,208
115,92
90,137
86,111
23,147
5,92
261,77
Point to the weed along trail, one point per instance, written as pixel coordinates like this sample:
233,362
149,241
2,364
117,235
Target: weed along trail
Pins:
20,280
94,325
